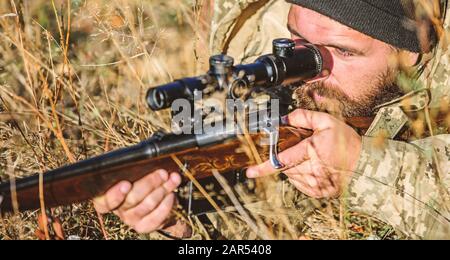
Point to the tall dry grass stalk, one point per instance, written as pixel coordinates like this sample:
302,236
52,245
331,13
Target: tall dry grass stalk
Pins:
72,79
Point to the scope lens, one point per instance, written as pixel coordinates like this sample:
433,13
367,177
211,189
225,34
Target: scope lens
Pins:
156,101
161,97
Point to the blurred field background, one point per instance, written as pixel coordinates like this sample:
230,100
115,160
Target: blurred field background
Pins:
73,75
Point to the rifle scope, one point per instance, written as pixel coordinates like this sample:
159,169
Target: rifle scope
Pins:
291,61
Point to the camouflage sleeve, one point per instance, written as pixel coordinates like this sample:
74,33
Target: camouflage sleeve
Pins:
405,185
245,29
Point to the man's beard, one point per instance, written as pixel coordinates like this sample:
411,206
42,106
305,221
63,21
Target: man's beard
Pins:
337,103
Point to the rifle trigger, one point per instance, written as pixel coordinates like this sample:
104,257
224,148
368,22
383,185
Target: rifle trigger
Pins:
191,191
273,148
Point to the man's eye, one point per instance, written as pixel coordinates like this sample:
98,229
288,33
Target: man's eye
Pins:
344,52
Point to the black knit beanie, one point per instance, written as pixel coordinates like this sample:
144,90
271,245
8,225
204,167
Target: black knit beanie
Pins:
390,21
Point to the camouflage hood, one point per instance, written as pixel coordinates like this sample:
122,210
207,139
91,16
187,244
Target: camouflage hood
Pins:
427,98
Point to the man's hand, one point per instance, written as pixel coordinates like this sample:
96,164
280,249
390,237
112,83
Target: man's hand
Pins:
321,165
144,205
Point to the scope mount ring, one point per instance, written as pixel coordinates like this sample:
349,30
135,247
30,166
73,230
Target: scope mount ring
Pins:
238,83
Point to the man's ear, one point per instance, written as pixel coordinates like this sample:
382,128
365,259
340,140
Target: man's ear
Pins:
408,59
405,60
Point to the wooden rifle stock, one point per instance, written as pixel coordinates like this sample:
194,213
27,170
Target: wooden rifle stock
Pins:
69,185
93,177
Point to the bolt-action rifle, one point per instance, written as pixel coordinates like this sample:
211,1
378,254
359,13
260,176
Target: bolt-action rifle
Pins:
195,154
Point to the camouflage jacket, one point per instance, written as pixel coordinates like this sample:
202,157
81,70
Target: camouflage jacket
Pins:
404,181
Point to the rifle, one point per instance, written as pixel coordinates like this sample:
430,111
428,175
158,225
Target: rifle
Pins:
291,62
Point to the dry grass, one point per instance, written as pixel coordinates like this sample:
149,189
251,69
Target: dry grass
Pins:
72,79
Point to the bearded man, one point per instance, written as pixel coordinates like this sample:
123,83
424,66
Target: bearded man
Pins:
384,56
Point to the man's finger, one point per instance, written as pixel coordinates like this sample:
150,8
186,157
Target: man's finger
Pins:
152,200
313,175
301,169
173,182
143,187
155,219
308,119
304,188
304,174
290,157
112,198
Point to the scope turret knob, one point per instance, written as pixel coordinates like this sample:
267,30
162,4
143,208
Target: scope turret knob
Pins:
283,47
221,64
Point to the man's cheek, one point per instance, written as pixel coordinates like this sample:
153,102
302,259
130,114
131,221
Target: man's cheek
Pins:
340,80
348,80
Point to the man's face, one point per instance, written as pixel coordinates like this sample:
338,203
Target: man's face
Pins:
361,77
